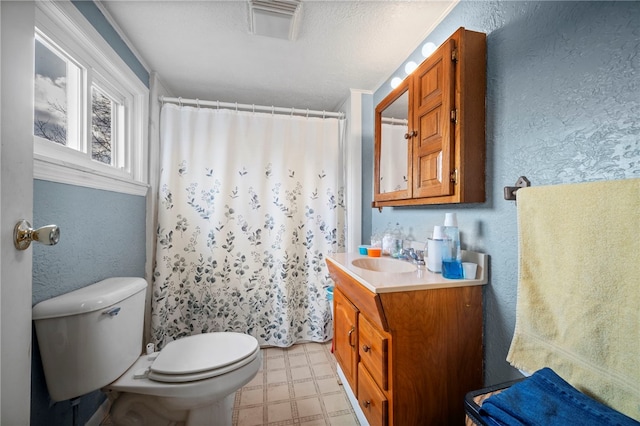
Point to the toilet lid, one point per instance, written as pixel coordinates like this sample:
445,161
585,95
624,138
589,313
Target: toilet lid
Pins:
203,355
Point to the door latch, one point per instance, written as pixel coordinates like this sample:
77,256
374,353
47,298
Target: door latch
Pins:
23,234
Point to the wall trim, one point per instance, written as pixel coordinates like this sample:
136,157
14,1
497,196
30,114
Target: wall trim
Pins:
57,171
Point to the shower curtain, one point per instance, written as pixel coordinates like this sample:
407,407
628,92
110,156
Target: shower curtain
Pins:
249,205
393,157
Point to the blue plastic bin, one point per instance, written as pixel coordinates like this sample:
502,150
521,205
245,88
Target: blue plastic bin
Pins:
330,298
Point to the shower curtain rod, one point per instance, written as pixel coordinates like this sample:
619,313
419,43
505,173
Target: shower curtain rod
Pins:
390,120
254,108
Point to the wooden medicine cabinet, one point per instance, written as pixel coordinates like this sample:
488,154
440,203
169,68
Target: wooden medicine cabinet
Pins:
430,130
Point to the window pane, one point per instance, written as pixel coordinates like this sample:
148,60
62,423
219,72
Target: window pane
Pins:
50,111
101,126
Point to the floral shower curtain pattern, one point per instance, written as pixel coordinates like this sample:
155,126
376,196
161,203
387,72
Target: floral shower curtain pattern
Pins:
249,204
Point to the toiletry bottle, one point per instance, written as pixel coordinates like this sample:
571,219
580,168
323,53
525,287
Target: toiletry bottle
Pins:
397,244
387,241
451,253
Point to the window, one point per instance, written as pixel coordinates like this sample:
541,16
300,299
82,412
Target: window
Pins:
50,118
102,112
90,109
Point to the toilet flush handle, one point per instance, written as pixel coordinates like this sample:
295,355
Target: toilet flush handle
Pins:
112,312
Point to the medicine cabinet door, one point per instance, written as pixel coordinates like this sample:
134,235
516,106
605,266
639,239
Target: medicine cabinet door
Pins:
393,134
434,145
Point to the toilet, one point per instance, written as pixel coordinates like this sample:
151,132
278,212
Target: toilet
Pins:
91,339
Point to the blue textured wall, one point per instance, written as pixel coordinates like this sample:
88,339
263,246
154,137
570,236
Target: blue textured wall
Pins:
563,105
102,234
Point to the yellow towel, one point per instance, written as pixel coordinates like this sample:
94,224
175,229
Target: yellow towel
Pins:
579,288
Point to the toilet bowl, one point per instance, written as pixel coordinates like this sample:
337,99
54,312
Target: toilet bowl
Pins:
91,339
182,384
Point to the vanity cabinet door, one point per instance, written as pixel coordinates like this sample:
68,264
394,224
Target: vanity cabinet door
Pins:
345,337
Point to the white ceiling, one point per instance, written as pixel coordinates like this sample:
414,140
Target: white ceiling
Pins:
204,49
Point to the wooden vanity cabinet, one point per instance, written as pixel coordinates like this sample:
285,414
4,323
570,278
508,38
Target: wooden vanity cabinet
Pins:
446,126
410,356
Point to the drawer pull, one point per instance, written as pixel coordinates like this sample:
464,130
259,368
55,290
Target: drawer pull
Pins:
365,348
366,404
350,333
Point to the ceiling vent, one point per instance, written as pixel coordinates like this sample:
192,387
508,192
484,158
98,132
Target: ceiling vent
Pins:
275,18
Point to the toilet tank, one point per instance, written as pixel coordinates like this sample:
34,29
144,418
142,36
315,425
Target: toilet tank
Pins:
89,337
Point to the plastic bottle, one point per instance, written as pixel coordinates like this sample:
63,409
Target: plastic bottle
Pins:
434,250
451,253
397,243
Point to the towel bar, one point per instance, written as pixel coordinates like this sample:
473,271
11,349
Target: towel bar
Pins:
510,191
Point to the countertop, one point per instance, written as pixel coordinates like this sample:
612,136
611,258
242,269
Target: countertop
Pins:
420,279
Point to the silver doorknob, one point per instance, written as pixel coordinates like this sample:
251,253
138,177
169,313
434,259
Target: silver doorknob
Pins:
23,234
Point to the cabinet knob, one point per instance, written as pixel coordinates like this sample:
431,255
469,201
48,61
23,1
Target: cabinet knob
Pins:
411,134
366,404
365,348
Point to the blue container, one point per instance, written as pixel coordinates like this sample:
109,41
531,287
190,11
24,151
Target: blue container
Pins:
452,269
363,250
330,299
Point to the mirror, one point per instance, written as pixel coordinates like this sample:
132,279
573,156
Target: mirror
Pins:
392,146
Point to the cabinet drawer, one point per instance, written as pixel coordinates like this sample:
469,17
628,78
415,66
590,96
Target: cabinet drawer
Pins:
371,399
373,347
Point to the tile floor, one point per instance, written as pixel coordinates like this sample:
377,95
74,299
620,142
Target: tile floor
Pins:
296,386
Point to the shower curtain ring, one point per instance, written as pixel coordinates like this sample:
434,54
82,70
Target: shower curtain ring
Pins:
253,108
307,112
198,103
323,114
180,101
273,110
218,104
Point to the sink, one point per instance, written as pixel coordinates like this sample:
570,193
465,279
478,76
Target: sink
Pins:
384,265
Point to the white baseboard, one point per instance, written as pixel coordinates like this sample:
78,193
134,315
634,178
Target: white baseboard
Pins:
352,399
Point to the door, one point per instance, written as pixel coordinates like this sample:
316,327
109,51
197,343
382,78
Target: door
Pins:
16,202
434,100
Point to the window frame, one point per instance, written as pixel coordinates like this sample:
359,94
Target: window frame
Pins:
66,28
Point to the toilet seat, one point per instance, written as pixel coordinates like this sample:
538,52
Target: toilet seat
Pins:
203,356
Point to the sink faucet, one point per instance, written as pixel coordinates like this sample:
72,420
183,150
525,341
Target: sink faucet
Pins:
417,256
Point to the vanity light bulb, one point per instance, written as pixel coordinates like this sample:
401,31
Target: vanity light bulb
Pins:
410,67
395,82
428,49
